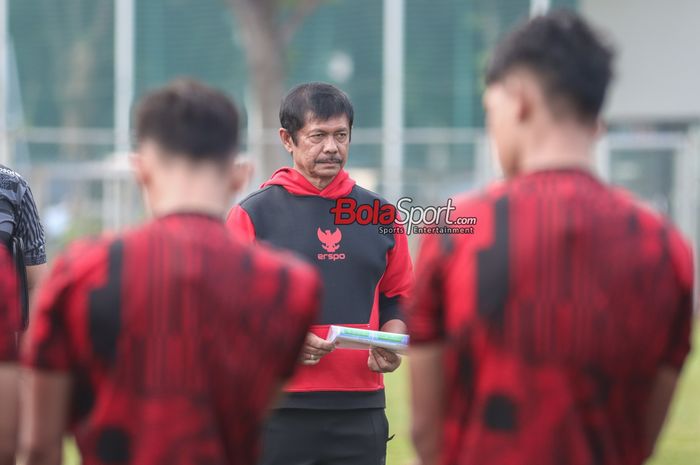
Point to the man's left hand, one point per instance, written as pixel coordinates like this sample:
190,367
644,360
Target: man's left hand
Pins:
382,360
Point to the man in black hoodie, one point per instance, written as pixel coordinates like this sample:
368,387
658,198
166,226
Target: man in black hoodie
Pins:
334,408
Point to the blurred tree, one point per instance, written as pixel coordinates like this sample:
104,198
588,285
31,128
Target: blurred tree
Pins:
267,27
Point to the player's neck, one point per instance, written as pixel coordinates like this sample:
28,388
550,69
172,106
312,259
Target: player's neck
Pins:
191,193
565,149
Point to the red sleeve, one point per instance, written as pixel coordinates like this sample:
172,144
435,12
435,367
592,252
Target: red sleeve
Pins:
239,223
425,315
680,335
397,281
10,319
46,345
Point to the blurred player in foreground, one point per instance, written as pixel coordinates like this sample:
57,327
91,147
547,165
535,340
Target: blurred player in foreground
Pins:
165,345
555,334
22,233
10,323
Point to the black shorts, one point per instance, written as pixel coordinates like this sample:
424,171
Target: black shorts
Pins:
325,437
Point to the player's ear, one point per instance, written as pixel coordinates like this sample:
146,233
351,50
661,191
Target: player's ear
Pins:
139,169
241,173
600,128
523,101
287,140
518,97
145,162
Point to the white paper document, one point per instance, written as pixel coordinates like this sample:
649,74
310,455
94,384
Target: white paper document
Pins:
355,338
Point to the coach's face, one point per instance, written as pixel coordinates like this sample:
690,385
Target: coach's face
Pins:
320,150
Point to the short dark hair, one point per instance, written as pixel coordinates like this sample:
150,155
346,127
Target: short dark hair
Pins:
190,119
573,63
313,100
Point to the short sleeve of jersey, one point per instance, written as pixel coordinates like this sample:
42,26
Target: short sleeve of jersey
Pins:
31,231
46,344
425,315
679,343
9,309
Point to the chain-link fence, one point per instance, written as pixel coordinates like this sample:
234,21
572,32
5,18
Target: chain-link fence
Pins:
662,168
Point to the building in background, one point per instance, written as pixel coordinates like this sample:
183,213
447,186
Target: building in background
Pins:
654,109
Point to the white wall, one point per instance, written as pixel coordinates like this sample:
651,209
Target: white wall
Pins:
658,65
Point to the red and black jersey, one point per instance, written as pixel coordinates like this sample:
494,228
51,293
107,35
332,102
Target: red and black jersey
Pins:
556,316
10,315
365,274
177,336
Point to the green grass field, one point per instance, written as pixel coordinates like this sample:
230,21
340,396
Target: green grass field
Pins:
680,442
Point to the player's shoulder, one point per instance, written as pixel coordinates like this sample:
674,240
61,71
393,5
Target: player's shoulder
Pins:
480,198
84,256
269,259
6,173
259,197
648,220
658,226
294,281
88,249
628,200
12,183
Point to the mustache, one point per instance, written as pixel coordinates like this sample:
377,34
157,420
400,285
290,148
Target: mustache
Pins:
329,160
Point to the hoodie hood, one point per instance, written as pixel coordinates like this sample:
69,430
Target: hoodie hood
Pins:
295,183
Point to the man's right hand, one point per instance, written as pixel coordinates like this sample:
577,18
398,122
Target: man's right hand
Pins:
314,348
